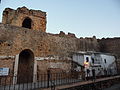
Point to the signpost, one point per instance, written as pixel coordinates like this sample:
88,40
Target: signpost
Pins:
4,71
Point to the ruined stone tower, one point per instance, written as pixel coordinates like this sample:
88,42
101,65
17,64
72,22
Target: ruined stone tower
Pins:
23,17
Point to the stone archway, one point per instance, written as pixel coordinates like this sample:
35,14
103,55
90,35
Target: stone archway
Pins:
27,23
25,66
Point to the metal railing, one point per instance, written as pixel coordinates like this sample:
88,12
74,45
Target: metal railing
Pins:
43,81
47,80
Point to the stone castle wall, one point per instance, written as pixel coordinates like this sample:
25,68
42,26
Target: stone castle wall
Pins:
8,62
54,66
14,39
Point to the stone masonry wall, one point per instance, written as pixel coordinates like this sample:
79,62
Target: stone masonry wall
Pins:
8,63
54,66
14,39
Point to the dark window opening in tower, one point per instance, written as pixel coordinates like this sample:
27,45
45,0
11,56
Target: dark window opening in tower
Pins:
27,23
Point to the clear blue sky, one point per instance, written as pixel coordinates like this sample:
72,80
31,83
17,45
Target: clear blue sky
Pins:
85,18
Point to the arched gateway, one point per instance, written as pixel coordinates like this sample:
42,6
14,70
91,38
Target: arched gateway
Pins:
25,66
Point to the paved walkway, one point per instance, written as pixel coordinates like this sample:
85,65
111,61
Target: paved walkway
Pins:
81,83
114,87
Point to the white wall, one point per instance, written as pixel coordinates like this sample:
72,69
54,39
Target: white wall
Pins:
110,63
78,58
109,60
99,64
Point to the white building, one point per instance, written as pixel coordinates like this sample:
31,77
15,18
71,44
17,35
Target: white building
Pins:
109,64
102,63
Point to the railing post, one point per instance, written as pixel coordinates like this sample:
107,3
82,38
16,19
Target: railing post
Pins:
48,77
0,81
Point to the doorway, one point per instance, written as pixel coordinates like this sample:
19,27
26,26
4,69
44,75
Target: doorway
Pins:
25,66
